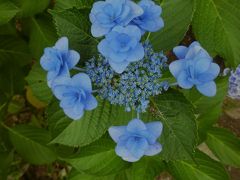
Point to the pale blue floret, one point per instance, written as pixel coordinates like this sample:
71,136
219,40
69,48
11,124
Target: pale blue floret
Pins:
75,95
137,139
105,15
135,85
151,19
121,47
195,67
234,84
58,60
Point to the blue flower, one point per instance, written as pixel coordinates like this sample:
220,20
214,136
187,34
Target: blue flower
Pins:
151,19
58,60
195,68
136,139
105,15
75,95
234,84
122,46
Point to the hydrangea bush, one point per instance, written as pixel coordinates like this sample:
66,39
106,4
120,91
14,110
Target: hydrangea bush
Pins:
122,89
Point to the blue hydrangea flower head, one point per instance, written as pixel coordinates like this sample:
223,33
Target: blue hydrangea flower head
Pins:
234,84
136,139
195,67
58,60
151,19
105,15
75,95
132,88
122,46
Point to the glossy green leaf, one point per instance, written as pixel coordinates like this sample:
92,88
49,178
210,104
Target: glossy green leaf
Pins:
82,132
37,80
7,11
204,168
98,158
30,7
14,50
179,135
216,25
177,16
67,4
208,108
225,146
75,25
42,35
31,143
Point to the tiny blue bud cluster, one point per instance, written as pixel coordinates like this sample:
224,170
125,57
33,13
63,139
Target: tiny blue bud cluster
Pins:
234,84
135,85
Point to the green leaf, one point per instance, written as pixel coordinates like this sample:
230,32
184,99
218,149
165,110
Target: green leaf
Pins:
30,7
179,127
42,35
30,142
205,168
82,132
177,16
98,158
148,168
208,108
7,11
13,49
68,4
75,25
225,146
37,80
75,175
216,25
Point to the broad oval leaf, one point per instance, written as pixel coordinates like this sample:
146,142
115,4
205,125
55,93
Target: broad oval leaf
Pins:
37,81
204,168
7,11
82,132
98,158
67,4
179,136
75,25
225,146
31,143
177,16
216,25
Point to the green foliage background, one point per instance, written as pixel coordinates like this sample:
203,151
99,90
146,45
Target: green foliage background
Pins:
27,27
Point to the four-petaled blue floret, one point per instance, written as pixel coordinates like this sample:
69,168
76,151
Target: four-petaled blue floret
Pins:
136,139
121,47
234,84
151,19
58,60
75,95
105,15
195,67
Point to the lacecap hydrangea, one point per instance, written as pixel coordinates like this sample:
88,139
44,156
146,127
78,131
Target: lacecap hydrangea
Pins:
195,67
234,84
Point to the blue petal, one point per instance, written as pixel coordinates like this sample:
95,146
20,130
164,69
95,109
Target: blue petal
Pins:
73,58
119,67
97,30
208,89
153,149
136,54
82,81
180,51
76,112
136,125
59,90
176,67
183,81
90,103
211,73
122,151
137,147
136,11
62,44
68,102
155,128
104,49
202,65
116,132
